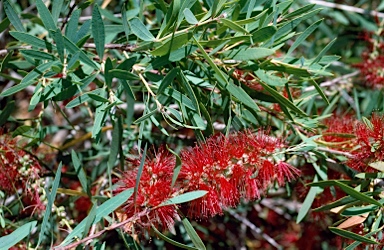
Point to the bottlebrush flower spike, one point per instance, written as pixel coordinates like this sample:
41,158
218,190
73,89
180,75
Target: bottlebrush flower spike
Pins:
371,67
154,188
19,170
230,168
370,137
340,132
240,166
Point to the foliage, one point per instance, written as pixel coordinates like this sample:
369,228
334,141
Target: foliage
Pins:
268,113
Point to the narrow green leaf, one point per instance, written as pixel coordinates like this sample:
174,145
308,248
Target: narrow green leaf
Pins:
4,62
127,31
21,130
221,77
175,243
98,98
51,199
38,55
139,172
123,74
59,39
233,26
158,124
307,204
351,235
32,40
36,97
281,99
89,220
20,233
57,5
13,16
304,36
45,15
98,32
352,192
189,196
181,53
357,243
139,29
249,54
242,96
167,80
263,34
28,79
179,97
72,48
72,25
323,51
185,4
80,172
185,83
172,44
190,17
4,24
82,98
320,91
300,11
370,175
6,112
115,145
103,210
146,116
100,115
193,235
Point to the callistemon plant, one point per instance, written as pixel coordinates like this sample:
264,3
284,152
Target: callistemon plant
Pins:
256,113
242,165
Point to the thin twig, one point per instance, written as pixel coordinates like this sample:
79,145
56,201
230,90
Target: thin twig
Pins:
334,81
254,228
337,152
347,8
112,227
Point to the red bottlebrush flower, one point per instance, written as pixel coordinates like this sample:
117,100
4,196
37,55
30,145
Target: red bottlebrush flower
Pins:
340,131
371,67
285,171
229,168
238,166
154,188
370,137
19,170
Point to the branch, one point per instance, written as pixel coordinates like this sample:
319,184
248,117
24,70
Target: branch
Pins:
332,151
112,227
334,81
347,8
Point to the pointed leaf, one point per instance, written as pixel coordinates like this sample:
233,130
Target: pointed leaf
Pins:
98,31
20,233
45,15
190,17
139,29
189,196
351,235
13,16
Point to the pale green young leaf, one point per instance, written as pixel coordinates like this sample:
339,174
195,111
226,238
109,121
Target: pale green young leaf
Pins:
140,30
190,17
